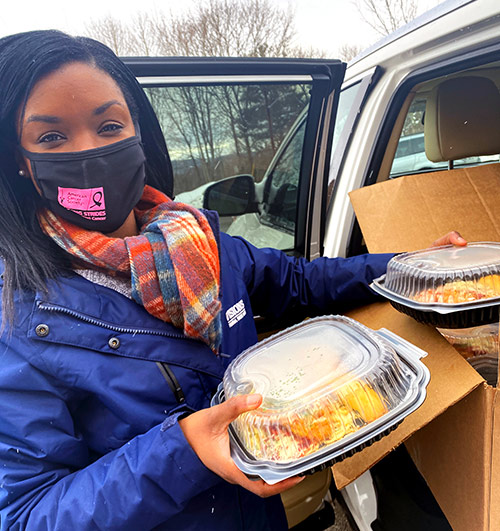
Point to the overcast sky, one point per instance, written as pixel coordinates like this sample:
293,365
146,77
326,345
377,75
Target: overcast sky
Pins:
323,24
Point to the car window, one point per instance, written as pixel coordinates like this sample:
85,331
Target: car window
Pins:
282,184
410,145
215,132
346,102
227,123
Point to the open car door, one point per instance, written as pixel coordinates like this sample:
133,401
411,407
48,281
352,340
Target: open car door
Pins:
250,138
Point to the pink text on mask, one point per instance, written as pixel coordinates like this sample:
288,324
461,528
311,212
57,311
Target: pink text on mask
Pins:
87,202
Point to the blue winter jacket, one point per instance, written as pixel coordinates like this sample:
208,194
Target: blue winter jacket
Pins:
89,437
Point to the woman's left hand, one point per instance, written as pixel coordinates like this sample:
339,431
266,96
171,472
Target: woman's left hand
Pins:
452,238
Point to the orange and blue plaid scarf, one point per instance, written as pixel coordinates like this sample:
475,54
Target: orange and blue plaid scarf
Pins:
173,263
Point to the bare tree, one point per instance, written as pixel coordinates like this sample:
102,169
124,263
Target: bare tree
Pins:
114,33
348,51
237,28
227,28
143,43
385,16
201,122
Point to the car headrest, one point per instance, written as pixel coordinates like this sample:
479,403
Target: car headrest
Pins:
462,119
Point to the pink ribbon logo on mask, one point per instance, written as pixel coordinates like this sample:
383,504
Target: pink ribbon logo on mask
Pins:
86,202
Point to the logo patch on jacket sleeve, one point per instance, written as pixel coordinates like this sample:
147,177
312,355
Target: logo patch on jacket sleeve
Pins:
235,313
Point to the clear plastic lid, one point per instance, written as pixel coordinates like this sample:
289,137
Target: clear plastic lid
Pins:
321,381
474,341
447,275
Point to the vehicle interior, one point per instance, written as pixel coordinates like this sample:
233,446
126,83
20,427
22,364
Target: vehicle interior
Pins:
458,116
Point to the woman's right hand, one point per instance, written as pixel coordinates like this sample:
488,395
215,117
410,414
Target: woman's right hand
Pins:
207,433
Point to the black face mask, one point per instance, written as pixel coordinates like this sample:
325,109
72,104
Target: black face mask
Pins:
95,189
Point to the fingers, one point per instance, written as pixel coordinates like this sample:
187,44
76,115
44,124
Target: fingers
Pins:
452,238
206,432
264,490
456,238
235,406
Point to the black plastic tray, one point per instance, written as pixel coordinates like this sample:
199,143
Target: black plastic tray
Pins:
459,319
463,315
352,452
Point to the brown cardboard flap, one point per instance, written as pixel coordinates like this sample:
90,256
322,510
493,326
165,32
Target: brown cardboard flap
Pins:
453,453
451,379
494,522
409,213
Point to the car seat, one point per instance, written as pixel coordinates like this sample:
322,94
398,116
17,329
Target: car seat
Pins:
462,119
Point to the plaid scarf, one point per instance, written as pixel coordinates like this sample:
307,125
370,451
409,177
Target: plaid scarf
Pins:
173,263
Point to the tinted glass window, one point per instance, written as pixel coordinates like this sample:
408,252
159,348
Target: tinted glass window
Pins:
215,132
346,101
282,185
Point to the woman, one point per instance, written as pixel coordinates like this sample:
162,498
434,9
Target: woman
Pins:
114,304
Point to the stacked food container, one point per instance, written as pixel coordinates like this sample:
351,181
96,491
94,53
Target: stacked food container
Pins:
330,387
456,289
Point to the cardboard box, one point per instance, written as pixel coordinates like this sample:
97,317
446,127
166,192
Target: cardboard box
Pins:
455,435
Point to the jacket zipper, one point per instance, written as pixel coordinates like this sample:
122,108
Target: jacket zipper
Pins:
91,320
165,370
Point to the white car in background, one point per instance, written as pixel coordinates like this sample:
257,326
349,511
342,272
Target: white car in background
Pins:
410,157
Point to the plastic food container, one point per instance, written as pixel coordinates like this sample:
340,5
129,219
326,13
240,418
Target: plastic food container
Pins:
479,346
330,387
448,287
487,367
475,341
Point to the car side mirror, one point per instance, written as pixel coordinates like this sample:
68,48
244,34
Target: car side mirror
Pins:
233,196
